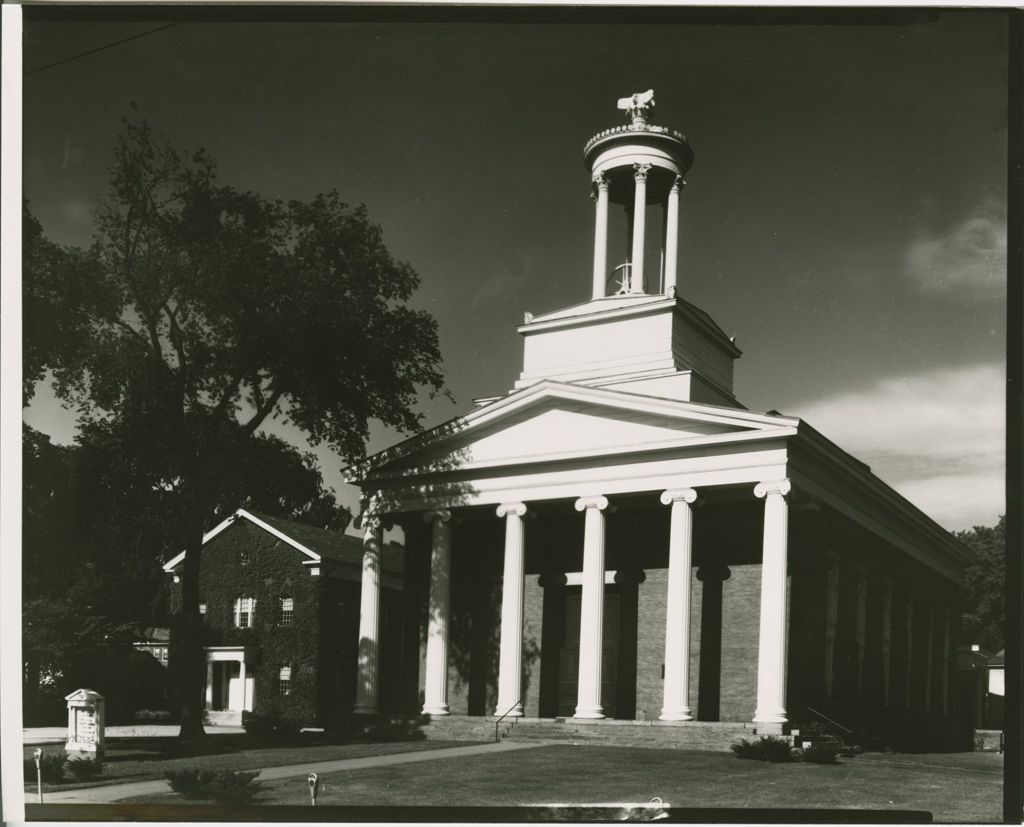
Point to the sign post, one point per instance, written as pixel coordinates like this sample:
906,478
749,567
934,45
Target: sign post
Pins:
38,754
314,787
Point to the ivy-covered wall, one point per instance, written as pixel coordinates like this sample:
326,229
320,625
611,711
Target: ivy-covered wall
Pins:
273,570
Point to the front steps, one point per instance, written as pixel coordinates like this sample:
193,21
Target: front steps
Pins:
694,735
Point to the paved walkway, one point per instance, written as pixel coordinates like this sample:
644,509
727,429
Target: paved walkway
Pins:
118,792
34,736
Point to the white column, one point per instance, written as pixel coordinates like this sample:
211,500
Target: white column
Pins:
435,700
676,698
601,235
368,666
588,703
928,676
209,684
771,653
672,236
945,663
831,622
909,619
241,680
886,639
861,627
636,284
510,661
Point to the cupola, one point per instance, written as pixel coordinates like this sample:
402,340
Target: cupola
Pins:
635,332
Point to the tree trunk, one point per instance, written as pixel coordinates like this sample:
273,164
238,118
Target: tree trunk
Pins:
193,671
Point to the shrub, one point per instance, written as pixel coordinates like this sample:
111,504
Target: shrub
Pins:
84,769
223,786
270,727
766,748
51,767
820,754
154,716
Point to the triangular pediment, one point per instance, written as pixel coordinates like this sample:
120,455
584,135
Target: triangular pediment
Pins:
552,420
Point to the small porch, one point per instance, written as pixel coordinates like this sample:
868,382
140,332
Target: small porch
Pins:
230,683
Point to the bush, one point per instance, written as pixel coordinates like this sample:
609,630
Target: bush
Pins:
224,786
270,727
84,769
766,748
820,754
51,767
161,716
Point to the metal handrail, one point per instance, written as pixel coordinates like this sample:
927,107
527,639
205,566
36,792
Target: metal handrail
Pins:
825,717
503,717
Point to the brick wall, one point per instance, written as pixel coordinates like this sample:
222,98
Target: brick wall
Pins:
741,602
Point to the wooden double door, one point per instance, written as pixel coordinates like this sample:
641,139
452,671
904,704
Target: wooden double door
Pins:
569,652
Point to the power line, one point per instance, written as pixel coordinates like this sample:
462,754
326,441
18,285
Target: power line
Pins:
100,48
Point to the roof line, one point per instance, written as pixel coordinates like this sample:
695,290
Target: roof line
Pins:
171,564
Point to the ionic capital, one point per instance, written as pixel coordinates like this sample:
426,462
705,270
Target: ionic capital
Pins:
781,487
640,171
599,502
441,515
600,181
518,509
678,183
686,495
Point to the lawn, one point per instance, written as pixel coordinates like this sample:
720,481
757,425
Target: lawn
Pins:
963,788
141,759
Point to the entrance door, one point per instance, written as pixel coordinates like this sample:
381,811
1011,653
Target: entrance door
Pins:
569,653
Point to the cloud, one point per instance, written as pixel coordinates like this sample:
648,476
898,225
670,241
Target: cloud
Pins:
967,260
936,437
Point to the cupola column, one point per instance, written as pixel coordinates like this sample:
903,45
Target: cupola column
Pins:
592,608
368,655
636,282
600,235
770,715
672,235
435,692
510,661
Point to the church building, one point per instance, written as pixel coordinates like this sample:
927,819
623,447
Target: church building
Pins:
618,539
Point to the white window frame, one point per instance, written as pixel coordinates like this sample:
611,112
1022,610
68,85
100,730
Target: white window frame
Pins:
284,680
286,613
244,609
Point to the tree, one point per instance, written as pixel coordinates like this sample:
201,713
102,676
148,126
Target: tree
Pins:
984,578
213,310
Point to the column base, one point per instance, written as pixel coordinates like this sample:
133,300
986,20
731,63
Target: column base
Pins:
436,710
515,712
592,713
771,728
684,714
365,709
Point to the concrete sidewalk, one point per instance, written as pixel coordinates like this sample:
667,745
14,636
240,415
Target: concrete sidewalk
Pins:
118,792
35,736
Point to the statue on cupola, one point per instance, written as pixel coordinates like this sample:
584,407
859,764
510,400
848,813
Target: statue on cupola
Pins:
637,166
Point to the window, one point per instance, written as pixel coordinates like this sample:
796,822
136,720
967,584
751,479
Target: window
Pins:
287,607
245,608
243,557
161,654
284,680
202,609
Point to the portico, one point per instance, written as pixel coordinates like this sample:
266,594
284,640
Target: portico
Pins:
617,536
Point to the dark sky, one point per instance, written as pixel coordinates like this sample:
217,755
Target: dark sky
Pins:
844,217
